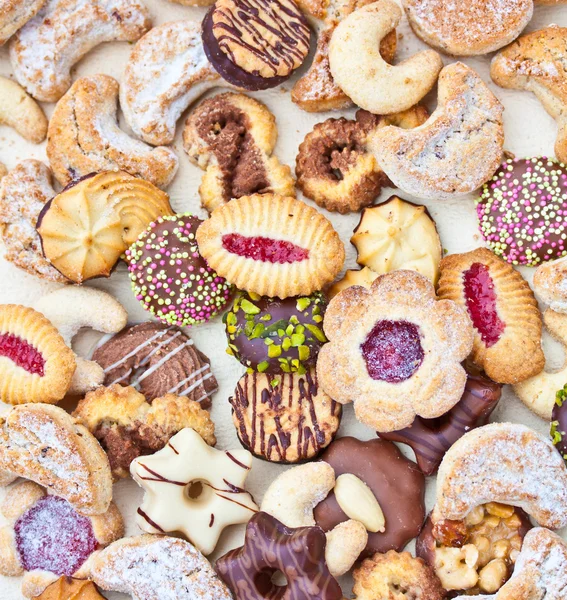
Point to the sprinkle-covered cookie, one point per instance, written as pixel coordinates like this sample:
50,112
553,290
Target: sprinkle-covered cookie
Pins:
522,211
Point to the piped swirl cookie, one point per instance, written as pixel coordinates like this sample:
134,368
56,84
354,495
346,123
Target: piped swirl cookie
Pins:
503,310
232,138
84,137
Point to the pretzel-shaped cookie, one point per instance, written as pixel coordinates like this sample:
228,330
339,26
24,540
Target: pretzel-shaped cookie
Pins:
21,111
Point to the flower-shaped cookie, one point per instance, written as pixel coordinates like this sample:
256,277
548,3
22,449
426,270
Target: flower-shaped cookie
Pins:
193,489
395,351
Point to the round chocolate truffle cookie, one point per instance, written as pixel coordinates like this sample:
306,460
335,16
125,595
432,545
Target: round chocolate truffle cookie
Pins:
559,422
395,481
522,211
170,278
270,335
255,45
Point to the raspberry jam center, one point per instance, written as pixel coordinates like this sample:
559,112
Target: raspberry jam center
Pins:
22,353
264,249
480,298
392,351
51,536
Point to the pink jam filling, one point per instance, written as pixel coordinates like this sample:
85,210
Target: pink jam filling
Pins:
51,536
264,249
481,303
392,351
22,353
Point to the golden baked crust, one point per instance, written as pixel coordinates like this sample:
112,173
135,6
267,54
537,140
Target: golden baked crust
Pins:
312,246
127,426
66,588
514,354
363,277
537,62
35,363
21,111
84,137
550,284
232,138
396,576
46,445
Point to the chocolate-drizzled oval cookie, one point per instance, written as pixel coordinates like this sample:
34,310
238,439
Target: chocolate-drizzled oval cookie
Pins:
285,418
256,44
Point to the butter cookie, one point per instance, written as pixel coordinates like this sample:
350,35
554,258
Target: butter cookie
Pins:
550,284
15,14
44,51
84,137
23,194
363,277
503,310
46,538
85,229
67,588
127,426
395,351
22,112
232,138
456,150
271,245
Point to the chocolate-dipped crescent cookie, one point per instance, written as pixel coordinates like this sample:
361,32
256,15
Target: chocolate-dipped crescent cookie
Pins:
284,418
395,481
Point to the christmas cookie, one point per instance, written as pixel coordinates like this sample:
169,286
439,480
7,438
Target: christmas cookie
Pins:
522,209
67,588
503,311
119,208
285,418
157,360
550,284
35,363
127,426
271,246
395,351
270,335
193,489
363,277
169,276
15,14
398,235
20,111
232,138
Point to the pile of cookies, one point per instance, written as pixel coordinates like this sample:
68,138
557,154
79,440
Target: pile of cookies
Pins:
420,341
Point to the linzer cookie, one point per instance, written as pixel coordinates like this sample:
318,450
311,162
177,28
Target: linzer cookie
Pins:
256,44
284,418
271,246
503,311
157,360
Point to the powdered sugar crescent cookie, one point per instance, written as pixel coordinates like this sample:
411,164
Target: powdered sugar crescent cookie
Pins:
23,194
45,538
84,137
150,567
476,27
232,138
22,112
456,150
167,71
43,52
35,363
503,310
395,351
550,284
3,170
14,14
507,463
271,245
45,444
73,308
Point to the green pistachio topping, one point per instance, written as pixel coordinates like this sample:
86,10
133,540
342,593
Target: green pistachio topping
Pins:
254,296
229,351
274,351
268,341
561,395
266,317
556,435
230,318
317,318
302,303
317,332
257,331
294,320
248,307
303,352
289,329
263,366
297,339
286,344
275,382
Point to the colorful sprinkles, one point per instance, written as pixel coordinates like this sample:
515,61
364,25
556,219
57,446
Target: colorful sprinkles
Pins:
522,211
170,278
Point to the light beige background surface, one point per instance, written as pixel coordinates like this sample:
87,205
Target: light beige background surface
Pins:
529,131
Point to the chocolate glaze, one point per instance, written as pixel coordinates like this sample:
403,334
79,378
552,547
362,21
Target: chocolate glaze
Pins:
397,483
270,547
559,422
431,438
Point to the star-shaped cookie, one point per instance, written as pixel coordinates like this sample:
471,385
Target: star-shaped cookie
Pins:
194,489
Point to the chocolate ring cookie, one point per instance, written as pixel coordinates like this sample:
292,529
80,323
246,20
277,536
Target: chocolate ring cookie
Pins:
395,481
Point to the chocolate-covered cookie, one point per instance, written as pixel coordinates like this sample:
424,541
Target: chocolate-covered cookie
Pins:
559,422
255,45
395,481
431,438
270,547
270,335
284,418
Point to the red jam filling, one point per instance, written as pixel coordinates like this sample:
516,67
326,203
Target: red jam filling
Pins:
53,537
22,353
392,351
481,303
264,249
